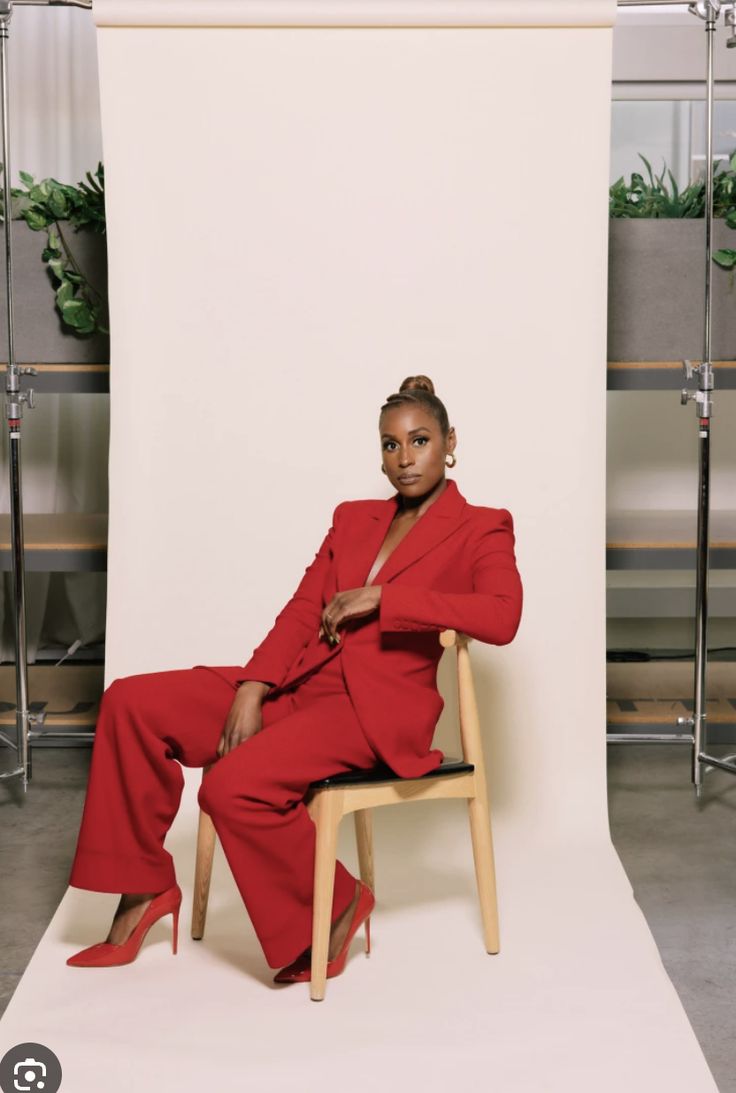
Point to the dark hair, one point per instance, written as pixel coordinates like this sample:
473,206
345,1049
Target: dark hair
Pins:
420,391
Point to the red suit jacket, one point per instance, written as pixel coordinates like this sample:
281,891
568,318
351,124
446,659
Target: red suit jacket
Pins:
454,569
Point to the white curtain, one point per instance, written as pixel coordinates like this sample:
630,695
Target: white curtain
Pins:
55,131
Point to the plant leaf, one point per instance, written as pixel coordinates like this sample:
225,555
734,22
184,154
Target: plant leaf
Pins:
56,266
77,314
35,219
64,295
726,259
58,204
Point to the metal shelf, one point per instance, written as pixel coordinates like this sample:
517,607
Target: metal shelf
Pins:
69,695
665,539
66,378
58,542
649,697
663,376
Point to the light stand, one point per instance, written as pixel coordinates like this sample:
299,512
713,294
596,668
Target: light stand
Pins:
703,398
14,399
709,11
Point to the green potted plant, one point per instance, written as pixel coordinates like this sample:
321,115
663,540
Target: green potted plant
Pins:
59,271
656,270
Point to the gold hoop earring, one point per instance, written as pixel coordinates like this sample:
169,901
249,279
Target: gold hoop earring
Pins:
453,458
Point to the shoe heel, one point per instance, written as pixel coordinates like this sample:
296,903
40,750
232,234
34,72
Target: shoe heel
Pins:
368,936
175,936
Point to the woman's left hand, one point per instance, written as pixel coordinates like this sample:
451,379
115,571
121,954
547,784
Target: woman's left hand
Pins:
353,604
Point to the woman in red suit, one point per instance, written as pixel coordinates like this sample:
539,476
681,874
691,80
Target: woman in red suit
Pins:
345,679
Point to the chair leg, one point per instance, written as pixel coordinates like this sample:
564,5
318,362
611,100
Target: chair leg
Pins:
485,871
364,840
326,812
202,872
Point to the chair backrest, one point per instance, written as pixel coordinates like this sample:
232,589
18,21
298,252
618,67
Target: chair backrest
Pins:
470,737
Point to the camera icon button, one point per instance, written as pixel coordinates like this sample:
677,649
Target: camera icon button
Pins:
30,1068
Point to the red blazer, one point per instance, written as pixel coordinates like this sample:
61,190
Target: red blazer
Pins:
455,569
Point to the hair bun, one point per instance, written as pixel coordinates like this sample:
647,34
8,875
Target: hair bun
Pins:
422,383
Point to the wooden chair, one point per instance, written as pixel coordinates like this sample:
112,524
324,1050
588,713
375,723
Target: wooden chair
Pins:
329,799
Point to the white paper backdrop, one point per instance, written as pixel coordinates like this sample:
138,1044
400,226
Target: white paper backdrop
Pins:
319,224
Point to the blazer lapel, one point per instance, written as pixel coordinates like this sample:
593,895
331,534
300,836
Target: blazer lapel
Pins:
440,520
364,542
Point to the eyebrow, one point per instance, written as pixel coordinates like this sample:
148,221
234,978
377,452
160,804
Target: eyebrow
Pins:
421,429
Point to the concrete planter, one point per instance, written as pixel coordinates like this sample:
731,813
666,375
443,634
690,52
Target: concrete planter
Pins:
40,335
656,291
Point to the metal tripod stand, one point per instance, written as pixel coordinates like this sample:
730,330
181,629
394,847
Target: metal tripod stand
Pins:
14,400
702,762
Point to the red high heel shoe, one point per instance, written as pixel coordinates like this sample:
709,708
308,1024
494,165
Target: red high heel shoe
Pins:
106,954
300,970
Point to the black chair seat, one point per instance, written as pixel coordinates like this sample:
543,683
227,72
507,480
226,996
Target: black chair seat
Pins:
382,773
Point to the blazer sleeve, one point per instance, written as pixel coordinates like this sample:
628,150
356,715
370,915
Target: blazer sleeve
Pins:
490,613
296,623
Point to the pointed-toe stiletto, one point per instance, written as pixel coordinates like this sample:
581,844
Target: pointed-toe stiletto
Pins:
105,954
300,970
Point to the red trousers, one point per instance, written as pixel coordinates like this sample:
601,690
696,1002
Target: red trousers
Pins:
149,724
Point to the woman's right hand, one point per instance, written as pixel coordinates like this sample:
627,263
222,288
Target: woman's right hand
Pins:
245,718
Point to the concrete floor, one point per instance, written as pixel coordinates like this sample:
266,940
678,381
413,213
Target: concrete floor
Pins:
680,856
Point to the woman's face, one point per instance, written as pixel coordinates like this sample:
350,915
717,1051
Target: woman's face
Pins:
413,449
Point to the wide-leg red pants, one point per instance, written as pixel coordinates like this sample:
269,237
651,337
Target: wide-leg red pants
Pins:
149,724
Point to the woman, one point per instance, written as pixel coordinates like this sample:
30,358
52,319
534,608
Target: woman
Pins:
345,679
